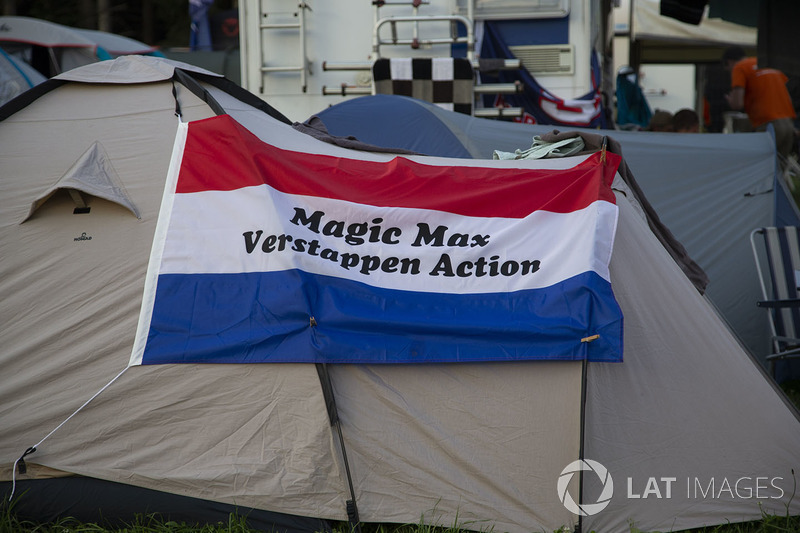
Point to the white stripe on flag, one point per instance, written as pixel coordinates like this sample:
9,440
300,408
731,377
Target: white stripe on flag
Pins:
207,235
159,239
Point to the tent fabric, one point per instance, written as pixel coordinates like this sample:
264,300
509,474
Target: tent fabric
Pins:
114,270
69,47
91,174
118,45
670,399
709,190
16,77
22,36
316,128
134,69
478,444
432,137
139,69
43,33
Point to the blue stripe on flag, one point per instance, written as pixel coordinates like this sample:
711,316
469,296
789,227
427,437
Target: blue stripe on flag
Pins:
267,317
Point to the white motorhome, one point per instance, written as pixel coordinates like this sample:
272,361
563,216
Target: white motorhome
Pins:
303,56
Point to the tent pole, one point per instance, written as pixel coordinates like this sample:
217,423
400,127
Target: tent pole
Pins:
581,450
333,416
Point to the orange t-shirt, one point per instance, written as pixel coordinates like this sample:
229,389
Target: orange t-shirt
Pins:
765,95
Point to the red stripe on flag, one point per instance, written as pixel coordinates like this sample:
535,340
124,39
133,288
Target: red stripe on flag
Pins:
222,155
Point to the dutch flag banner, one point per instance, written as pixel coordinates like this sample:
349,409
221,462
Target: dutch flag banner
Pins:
268,255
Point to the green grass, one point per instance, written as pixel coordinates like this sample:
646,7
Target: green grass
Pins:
768,524
141,524
238,524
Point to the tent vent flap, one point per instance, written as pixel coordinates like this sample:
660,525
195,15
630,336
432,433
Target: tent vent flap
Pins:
92,174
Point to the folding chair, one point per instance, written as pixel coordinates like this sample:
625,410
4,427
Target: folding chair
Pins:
781,250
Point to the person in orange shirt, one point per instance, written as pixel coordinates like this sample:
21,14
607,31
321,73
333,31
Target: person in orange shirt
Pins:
762,93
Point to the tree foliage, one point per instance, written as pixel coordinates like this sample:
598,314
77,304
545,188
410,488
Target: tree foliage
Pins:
163,23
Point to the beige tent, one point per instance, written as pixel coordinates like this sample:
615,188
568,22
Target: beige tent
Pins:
687,427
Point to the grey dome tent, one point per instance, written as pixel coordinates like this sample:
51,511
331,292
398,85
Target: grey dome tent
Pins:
16,77
49,47
53,48
481,444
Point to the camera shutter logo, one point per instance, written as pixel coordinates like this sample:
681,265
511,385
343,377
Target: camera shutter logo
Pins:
585,509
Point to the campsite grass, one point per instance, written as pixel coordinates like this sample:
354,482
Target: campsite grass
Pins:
238,524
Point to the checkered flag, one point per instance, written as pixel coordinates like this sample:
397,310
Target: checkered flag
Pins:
445,81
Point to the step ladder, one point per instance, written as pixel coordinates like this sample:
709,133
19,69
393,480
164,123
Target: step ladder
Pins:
291,20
